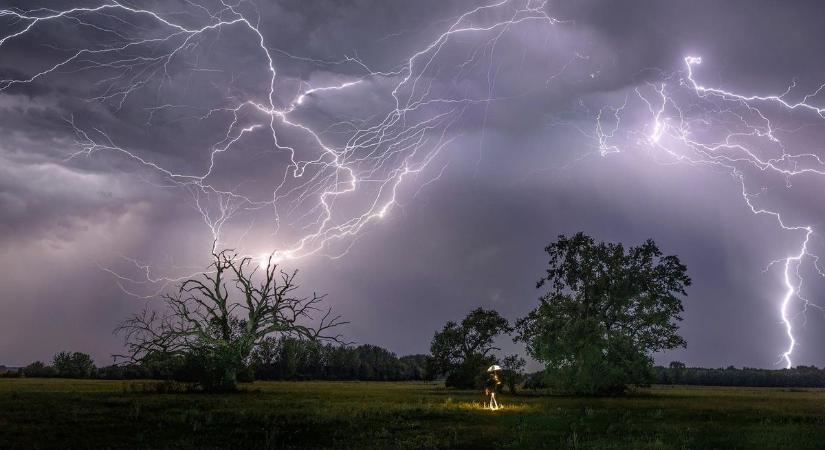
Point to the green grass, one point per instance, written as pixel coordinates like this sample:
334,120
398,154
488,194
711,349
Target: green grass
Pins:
50,413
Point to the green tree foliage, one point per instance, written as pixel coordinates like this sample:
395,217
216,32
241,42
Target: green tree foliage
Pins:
606,310
38,369
416,367
297,359
462,351
73,365
513,371
801,376
274,359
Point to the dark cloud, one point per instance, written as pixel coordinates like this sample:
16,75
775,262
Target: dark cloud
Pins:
518,173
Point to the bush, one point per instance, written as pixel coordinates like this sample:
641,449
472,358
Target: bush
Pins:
39,370
73,365
159,387
416,367
246,375
113,372
470,374
597,372
536,380
212,371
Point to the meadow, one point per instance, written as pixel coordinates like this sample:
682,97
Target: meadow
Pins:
57,413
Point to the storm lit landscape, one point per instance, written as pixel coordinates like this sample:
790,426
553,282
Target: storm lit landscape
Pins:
411,224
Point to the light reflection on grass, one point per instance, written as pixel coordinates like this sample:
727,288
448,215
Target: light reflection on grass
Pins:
483,406
347,415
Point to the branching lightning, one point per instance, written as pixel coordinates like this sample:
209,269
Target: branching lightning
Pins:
340,178
372,163
694,124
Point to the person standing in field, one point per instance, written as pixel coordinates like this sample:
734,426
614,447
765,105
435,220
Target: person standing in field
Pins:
491,384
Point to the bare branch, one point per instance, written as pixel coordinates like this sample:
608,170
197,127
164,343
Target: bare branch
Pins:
201,318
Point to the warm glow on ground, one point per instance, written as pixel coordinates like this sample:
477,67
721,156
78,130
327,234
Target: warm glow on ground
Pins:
485,406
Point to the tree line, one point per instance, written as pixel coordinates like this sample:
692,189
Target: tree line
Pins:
276,359
603,311
800,376
296,359
290,359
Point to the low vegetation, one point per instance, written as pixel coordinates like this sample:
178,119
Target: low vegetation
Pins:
800,376
274,359
62,413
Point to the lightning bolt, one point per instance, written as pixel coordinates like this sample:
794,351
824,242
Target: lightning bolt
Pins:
699,125
374,161
340,178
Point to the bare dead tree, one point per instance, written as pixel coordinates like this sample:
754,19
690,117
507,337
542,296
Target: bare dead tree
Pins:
202,319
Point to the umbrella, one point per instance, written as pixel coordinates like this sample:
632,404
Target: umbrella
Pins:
493,368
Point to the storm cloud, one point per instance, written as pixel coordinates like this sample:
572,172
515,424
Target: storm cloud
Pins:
521,163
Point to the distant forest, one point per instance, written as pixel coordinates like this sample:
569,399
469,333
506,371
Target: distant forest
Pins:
281,359
800,376
678,373
294,359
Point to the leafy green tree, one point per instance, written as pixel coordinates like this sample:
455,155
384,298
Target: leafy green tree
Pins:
677,370
289,358
463,350
377,363
416,367
607,309
73,365
38,369
513,371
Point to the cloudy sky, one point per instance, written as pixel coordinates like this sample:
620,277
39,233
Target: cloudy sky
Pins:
134,134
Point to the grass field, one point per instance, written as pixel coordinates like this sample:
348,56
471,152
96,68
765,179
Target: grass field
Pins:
51,413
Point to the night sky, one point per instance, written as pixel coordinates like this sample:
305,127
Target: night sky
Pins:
126,139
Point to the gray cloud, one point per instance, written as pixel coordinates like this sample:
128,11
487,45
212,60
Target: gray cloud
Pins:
516,175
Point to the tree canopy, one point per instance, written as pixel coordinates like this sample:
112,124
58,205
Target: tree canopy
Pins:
463,350
605,311
71,365
217,320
